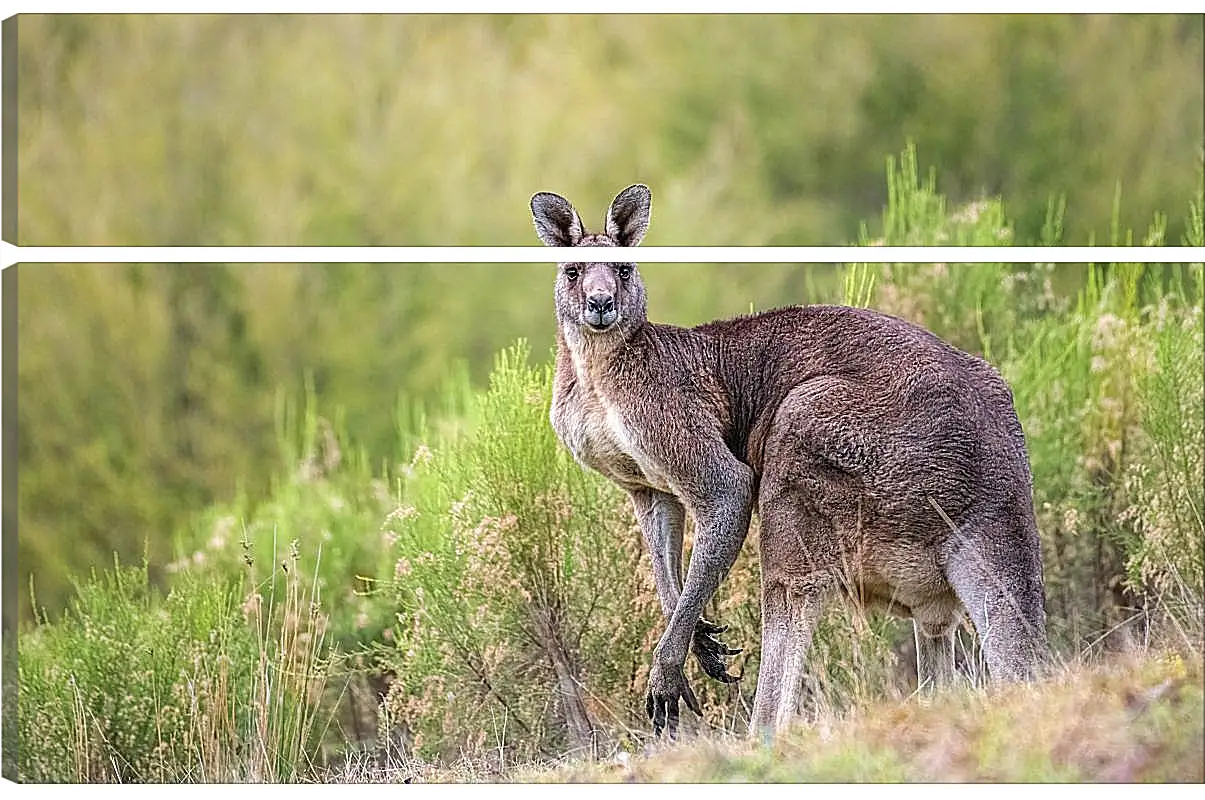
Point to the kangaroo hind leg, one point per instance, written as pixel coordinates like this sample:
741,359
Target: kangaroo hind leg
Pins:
797,582
934,630
995,568
775,625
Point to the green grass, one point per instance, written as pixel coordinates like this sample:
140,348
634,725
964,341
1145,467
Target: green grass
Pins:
219,680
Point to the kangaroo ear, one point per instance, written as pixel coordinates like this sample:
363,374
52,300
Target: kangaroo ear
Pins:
628,216
557,223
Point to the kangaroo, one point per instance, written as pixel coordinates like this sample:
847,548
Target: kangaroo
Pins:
885,465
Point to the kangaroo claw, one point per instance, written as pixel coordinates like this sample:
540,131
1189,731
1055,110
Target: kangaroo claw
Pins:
710,651
667,685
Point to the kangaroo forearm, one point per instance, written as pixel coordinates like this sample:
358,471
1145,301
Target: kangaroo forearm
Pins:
661,519
703,578
722,530
667,579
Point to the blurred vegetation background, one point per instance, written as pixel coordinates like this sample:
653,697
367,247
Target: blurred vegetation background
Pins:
430,129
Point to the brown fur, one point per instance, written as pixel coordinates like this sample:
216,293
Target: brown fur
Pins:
885,465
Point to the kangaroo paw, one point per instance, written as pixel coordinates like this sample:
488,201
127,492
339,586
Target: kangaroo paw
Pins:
667,685
711,652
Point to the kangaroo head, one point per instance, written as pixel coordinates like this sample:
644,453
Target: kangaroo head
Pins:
596,298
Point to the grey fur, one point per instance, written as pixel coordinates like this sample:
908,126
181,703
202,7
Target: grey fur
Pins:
885,466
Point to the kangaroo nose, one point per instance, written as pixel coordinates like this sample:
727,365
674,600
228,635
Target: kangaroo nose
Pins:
600,304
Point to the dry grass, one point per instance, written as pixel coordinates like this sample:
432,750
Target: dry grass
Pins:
1134,720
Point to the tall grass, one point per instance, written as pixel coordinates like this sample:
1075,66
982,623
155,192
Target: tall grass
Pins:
218,681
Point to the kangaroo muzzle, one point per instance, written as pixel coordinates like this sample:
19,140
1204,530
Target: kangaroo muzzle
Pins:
600,311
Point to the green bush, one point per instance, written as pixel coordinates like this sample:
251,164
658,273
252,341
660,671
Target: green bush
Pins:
330,502
523,605
1162,481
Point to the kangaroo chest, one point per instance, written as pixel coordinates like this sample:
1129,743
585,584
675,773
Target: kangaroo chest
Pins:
601,438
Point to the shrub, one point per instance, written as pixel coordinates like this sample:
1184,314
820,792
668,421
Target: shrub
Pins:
1162,481
523,607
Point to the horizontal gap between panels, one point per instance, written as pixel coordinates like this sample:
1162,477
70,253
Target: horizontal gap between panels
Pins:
651,255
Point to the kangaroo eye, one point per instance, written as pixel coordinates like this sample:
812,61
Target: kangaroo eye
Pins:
625,272
571,273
